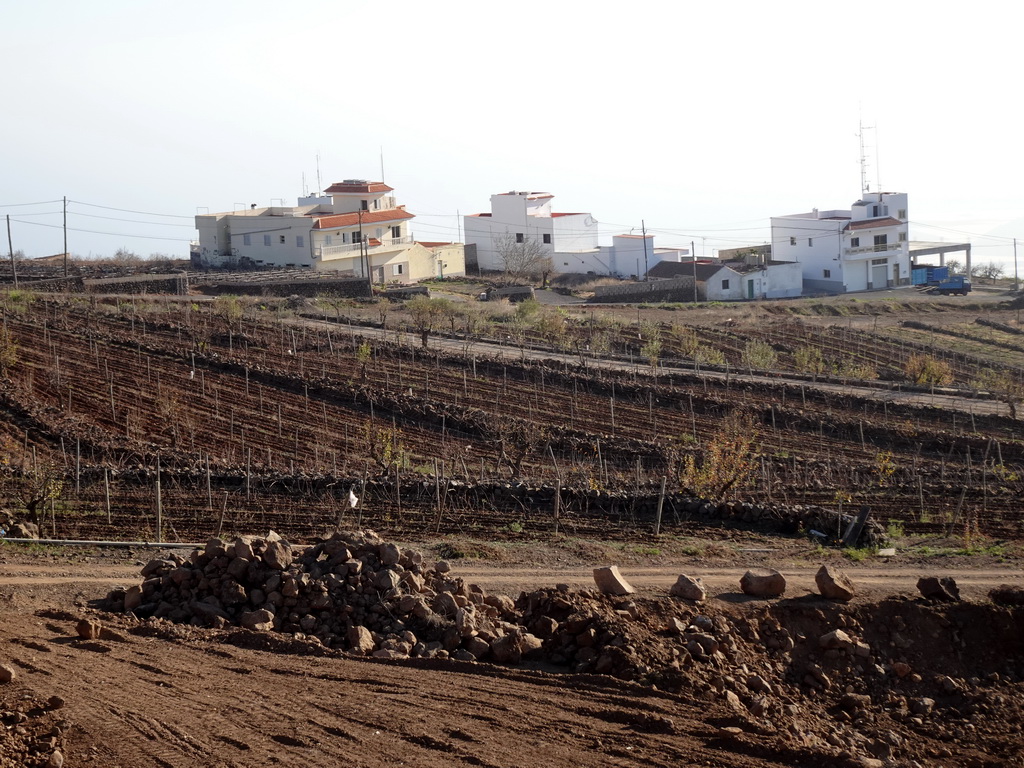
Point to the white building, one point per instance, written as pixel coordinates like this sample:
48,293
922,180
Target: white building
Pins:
865,248
356,227
570,238
772,280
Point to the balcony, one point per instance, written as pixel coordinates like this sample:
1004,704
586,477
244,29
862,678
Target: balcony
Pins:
353,249
867,249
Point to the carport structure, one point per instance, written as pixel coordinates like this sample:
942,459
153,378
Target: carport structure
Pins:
920,248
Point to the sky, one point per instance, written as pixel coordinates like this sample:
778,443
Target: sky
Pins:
699,121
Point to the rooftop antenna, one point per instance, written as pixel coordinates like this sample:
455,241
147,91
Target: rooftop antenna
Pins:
382,165
864,186
305,189
319,184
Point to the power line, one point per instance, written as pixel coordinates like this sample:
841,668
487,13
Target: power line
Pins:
96,232
21,205
126,210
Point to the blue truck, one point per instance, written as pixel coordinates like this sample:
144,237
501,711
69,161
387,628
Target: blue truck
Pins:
957,285
928,275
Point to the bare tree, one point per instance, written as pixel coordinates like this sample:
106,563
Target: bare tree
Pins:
991,271
524,257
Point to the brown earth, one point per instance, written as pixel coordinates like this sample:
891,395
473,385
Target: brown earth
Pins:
153,693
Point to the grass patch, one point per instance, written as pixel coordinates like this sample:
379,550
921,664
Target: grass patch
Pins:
858,555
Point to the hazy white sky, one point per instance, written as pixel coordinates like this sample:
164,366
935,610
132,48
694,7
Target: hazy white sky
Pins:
701,119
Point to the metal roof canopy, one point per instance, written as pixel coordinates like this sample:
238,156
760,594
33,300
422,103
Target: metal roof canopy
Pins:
925,248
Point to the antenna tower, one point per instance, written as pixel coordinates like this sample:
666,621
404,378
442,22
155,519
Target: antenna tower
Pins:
864,186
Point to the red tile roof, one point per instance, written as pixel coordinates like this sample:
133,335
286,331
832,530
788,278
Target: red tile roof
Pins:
556,215
369,217
888,221
357,187
429,244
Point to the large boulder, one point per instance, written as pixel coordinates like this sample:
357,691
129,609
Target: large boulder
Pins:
763,582
834,584
934,588
689,589
610,581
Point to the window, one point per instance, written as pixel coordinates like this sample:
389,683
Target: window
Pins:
519,237
901,213
396,232
547,239
826,273
327,239
810,241
880,242
376,205
282,239
879,262
246,240
725,285
855,242
356,236
792,241
397,269
344,237
266,239
903,237
874,211
364,204
300,241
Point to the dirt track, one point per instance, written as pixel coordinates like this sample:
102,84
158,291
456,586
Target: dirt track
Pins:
873,581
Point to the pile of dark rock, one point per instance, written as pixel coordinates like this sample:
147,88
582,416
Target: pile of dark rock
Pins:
353,591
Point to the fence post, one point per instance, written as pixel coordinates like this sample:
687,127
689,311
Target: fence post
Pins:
159,506
106,491
661,504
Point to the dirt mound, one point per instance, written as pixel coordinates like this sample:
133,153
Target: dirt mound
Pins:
898,681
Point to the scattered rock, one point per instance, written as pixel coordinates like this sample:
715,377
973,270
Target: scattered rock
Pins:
610,581
933,588
7,673
689,589
1005,594
89,629
765,582
56,760
360,640
834,584
836,639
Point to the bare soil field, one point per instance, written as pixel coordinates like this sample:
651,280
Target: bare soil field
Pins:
523,449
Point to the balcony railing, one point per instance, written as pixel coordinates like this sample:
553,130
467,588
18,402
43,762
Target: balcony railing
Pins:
326,251
872,249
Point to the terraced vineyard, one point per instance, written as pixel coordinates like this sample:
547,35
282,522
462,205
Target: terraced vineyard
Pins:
268,420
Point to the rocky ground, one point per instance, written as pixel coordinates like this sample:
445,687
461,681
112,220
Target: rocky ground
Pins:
358,649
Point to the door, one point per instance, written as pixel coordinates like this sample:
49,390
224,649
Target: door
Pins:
878,276
750,289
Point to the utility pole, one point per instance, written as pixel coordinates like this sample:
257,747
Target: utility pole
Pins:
10,247
1016,279
65,236
643,231
693,253
364,253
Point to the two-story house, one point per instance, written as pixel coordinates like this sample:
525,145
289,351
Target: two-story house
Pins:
570,239
861,249
355,227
